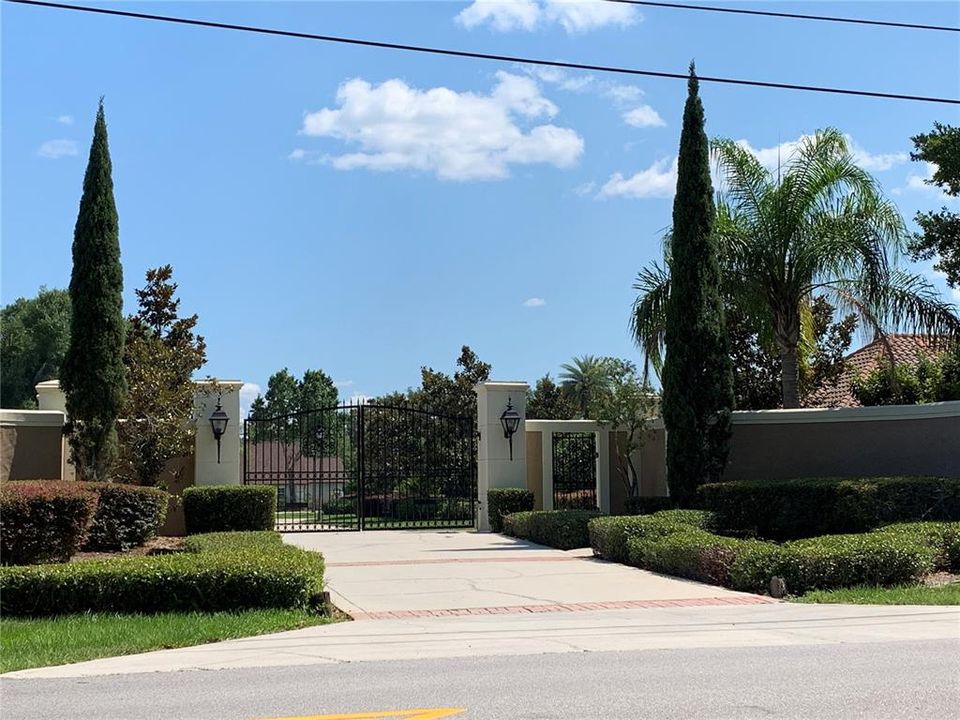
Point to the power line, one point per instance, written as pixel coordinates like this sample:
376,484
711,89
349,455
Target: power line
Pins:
480,56
792,16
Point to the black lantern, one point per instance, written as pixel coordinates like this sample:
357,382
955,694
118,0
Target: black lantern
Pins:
218,423
510,419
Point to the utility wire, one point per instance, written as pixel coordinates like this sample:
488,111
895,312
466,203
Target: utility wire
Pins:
793,16
478,55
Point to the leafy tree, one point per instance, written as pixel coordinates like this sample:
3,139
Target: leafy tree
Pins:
454,395
584,380
93,375
34,334
284,412
941,230
756,365
932,378
697,377
628,405
820,224
162,353
548,401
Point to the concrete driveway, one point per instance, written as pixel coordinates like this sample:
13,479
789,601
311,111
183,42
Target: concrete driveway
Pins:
391,574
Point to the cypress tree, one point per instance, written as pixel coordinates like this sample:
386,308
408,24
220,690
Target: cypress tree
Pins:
697,376
93,377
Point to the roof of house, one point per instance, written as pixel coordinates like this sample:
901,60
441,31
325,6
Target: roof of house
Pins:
907,350
286,459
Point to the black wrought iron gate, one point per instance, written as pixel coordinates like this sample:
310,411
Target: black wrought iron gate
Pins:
574,470
365,466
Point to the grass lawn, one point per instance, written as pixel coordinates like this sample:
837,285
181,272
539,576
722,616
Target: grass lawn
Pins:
902,595
27,643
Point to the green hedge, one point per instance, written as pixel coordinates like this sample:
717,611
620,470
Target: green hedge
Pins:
942,537
563,529
226,541
127,515
792,509
217,508
609,535
43,520
835,561
504,501
220,573
691,553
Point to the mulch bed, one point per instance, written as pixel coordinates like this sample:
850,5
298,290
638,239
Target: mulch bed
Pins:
940,578
153,546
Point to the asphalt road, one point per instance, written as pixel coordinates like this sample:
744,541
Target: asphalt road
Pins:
875,681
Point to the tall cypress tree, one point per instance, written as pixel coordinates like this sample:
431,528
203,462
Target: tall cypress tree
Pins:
697,376
93,375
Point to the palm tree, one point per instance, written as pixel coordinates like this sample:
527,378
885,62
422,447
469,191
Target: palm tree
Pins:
584,380
819,225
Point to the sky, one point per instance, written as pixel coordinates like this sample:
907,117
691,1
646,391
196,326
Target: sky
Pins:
369,211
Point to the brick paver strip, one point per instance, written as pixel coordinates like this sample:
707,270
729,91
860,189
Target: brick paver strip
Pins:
567,607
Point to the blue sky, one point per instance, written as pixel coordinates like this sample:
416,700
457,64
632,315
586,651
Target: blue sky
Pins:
346,208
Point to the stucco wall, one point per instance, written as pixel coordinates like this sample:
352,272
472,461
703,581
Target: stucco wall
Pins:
31,445
535,467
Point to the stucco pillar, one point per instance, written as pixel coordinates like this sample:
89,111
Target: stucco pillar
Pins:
494,467
208,471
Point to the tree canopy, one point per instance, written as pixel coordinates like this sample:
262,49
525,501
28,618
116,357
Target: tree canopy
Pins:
93,375
34,335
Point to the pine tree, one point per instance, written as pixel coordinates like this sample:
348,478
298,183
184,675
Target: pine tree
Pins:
697,376
93,376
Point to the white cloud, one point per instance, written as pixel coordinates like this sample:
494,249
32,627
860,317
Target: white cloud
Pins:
917,182
297,154
457,136
342,383
574,16
248,393
586,188
622,94
65,119
657,181
55,149
643,116
534,302
773,157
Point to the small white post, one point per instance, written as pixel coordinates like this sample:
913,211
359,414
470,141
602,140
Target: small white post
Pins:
494,467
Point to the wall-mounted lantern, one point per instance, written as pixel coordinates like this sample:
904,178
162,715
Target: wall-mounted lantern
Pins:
510,419
218,423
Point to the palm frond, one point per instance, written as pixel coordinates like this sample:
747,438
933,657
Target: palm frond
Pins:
648,317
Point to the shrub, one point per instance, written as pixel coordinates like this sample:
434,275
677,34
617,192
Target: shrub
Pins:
220,541
609,535
230,571
648,505
563,529
791,509
127,515
229,507
43,520
504,501
942,537
342,506
835,561
691,553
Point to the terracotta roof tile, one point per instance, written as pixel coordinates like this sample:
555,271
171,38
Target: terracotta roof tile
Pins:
907,350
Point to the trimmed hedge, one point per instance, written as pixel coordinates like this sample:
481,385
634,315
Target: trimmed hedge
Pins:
943,537
792,509
127,515
691,553
504,501
563,529
609,535
835,561
223,541
218,508
645,505
217,574
43,520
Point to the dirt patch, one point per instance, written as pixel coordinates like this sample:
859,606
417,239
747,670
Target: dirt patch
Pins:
940,578
153,546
